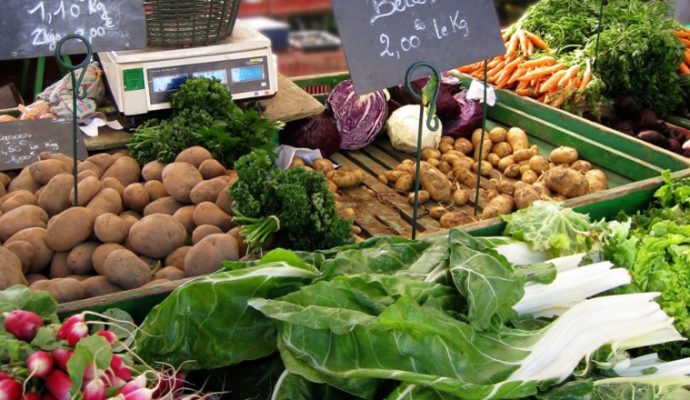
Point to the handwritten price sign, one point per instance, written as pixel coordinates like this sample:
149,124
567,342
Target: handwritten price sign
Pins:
382,38
32,28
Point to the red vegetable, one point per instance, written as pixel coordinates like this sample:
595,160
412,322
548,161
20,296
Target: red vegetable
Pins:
95,390
40,364
318,132
135,384
23,324
358,118
108,335
61,356
31,396
470,117
141,394
4,375
119,368
58,384
10,389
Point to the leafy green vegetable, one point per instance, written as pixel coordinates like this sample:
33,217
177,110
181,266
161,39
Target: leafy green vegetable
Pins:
640,388
293,387
20,297
551,227
203,95
299,199
207,323
91,350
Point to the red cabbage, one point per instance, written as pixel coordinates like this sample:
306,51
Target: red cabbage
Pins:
359,118
470,117
446,106
318,132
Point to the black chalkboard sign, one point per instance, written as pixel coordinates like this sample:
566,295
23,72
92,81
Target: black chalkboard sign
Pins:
382,38
32,28
22,141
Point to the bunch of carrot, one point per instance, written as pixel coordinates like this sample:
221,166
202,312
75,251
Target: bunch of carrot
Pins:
527,69
684,36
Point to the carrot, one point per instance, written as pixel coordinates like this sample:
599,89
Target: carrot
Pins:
468,68
684,69
686,55
495,70
586,77
539,62
569,75
530,48
505,35
522,85
513,44
494,62
517,74
682,34
524,92
542,99
523,41
559,100
542,72
502,80
552,83
537,41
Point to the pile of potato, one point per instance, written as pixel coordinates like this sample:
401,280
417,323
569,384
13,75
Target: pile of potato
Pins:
132,226
515,173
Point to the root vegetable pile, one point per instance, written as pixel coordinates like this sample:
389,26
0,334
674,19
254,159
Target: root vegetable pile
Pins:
514,175
132,226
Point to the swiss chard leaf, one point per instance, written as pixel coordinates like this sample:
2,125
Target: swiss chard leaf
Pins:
294,387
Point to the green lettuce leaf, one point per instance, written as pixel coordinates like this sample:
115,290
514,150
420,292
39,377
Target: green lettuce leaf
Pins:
213,311
643,388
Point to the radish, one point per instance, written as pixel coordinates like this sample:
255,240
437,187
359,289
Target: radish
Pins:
67,324
141,394
40,364
169,383
119,368
135,384
4,375
108,335
48,396
59,384
90,372
10,389
61,357
94,390
31,396
73,329
23,324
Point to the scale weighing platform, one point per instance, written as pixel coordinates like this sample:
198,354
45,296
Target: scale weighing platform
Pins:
144,80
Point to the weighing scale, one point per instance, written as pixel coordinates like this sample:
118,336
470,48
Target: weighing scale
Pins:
144,80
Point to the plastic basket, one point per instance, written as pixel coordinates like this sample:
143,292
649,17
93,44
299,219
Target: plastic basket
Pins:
188,23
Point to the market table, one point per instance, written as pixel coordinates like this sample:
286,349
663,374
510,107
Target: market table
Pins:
289,104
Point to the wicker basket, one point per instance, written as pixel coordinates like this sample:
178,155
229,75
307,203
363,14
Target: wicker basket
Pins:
187,23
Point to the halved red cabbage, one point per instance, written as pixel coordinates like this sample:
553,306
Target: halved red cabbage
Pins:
318,132
470,117
446,106
359,118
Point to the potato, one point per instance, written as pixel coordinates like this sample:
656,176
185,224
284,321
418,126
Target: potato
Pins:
209,213
523,155
529,176
544,192
59,267
236,232
464,146
176,258
346,177
115,184
23,181
87,189
564,155
434,162
69,228
101,253
525,195
512,171
595,178
436,183
524,167
297,162
455,218
538,163
99,286
581,165
135,197
103,160
430,152
32,278
506,187
461,197
208,255
477,137
208,190
423,197
153,171
90,166
464,162
20,218
86,174
447,139
130,218
156,190
4,179
486,149
505,162
437,212
493,159
486,195
445,147
404,183
487,169
465,177
165,205
44,171
179,178
444,167
224,200
125,169
211,168
394,175
502,149
498,135
79,258
110,228
54,198
17,199
186,217
123,268
106,201
65,290
451,158
42,253
24,251
156,236
194,155
499,205
169,273
10,270
566,181
517,139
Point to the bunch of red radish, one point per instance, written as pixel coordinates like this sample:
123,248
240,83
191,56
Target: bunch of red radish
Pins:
48,374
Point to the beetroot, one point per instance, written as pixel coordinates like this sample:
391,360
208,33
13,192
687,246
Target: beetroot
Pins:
654,138
23,324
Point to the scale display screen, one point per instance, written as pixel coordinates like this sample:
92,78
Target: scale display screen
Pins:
246,74
219,74
168,83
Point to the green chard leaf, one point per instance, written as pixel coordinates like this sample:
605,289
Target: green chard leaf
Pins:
294,387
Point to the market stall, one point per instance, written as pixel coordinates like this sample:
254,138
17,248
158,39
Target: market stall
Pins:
373,234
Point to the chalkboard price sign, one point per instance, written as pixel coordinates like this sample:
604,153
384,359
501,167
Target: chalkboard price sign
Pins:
22,141
32,28
382,38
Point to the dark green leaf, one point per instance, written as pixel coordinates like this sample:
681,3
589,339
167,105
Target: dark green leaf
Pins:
21,298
